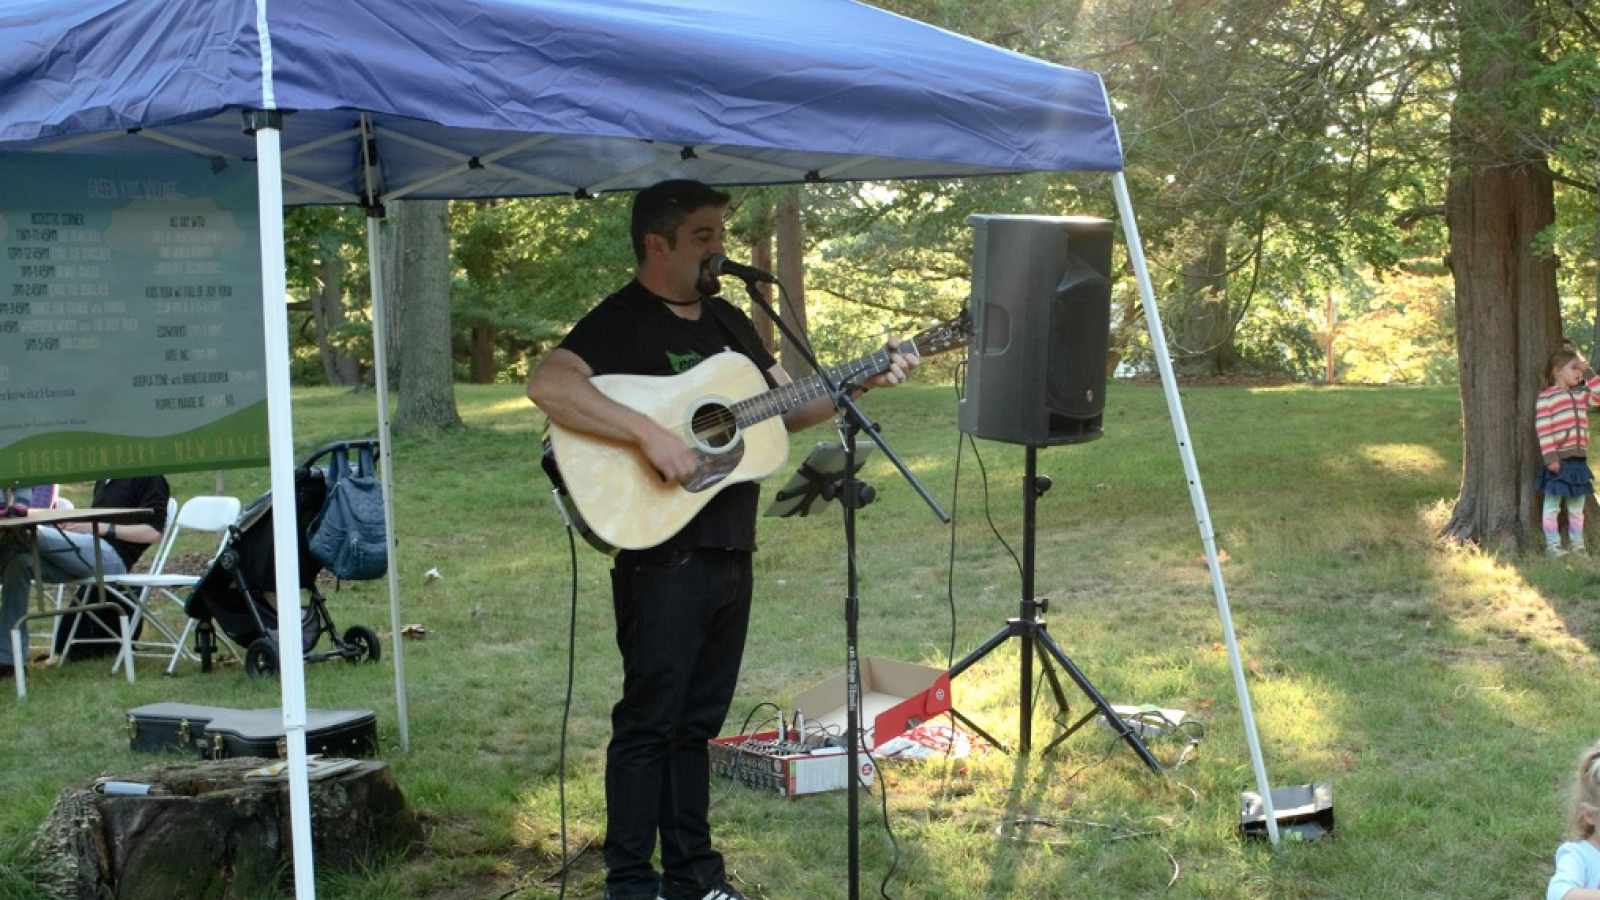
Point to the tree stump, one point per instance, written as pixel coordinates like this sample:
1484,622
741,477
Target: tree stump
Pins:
206,831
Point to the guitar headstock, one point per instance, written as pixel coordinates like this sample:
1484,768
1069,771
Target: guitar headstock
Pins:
945,336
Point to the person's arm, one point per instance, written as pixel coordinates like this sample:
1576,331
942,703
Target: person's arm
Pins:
1570,874
133,533
560,387
821,409
1592,382
1543,418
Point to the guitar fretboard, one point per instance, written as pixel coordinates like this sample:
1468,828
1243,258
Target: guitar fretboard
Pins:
778,401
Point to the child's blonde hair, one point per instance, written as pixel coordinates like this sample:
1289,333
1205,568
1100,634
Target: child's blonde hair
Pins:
1585,794
1557,360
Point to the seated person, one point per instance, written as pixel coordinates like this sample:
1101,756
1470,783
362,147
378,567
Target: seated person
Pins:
66,551
40,496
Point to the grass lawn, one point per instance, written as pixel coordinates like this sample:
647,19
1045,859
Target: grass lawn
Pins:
1441,691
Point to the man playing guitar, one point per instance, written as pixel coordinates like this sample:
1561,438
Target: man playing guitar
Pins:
682,606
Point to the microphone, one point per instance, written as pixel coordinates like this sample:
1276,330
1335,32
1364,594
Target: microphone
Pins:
721,265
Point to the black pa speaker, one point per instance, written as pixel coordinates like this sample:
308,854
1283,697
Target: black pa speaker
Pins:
1041,304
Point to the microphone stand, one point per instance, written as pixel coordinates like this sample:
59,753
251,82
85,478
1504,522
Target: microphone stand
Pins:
852,421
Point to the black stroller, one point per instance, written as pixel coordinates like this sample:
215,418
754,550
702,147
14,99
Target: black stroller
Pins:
233,592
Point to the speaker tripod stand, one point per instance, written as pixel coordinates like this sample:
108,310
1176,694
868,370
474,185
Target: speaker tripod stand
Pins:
1030,630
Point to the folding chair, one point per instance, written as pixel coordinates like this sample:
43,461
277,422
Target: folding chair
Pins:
140,591
66,591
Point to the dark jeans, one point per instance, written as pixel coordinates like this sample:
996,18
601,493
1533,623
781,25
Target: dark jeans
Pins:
681,622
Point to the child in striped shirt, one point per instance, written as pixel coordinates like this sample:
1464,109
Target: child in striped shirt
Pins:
1561,421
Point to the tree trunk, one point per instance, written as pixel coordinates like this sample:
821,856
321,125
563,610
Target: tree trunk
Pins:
1208,325
204,830
791,271
1507,311
481,362
761,258
1594,345
427,383
327,309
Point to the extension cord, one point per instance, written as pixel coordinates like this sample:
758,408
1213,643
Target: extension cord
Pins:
1146,721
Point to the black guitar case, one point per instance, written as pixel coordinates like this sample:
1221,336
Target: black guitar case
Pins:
216,732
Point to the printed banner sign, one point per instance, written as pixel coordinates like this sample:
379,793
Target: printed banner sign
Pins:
130,318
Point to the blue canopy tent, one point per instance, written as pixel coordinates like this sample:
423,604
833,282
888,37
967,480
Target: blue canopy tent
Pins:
340,102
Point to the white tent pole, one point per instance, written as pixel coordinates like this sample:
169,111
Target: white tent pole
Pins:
280,443
1197,494
380,368
266,123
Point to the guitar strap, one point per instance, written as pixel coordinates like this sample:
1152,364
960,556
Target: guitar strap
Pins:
729,331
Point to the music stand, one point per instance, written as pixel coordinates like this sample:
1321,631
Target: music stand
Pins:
852,422
820,478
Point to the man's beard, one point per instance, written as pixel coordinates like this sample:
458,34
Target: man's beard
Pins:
707,285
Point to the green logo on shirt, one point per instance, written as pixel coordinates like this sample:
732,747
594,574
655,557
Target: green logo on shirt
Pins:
683,362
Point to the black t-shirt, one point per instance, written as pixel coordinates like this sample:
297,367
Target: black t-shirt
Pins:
633,332
150,492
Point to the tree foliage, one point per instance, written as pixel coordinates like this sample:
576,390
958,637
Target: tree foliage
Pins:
1272,147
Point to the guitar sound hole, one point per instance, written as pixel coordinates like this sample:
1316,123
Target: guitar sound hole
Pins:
715,427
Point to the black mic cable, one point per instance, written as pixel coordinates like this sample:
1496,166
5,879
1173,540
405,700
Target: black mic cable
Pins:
566,711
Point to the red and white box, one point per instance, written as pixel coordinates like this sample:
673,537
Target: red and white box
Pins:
895,697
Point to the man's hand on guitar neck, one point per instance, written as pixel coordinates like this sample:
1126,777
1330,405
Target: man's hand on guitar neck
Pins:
821,409
899,366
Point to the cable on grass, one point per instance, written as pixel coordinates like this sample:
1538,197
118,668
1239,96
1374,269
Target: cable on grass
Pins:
566,711
888,828
1119,833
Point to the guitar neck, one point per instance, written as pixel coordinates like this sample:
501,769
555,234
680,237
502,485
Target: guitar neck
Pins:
778,401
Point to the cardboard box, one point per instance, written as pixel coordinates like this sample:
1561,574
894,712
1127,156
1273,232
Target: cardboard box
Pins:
895,697
750,760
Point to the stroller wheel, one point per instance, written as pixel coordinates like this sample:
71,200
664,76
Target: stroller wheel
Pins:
362,642
205,643
261,659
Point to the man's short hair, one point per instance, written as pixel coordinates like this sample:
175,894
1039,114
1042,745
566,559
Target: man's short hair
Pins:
662,207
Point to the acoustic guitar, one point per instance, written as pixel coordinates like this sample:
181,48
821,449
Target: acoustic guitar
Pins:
614,498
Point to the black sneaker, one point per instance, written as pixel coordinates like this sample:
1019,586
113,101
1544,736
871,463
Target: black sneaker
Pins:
723,891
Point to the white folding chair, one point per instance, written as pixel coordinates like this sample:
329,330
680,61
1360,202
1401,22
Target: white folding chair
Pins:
140,591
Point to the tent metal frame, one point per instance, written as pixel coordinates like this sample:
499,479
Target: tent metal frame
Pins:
266,123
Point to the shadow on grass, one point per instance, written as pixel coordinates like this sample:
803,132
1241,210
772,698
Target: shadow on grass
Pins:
1020,807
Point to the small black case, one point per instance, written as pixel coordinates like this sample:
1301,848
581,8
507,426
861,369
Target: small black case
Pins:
216,732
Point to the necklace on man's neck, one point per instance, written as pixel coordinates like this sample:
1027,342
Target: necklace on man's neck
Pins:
680,302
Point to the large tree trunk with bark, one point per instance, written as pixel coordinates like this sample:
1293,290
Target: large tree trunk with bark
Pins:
791,271
761,258
1507,311
1207,321
427,383
327,309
